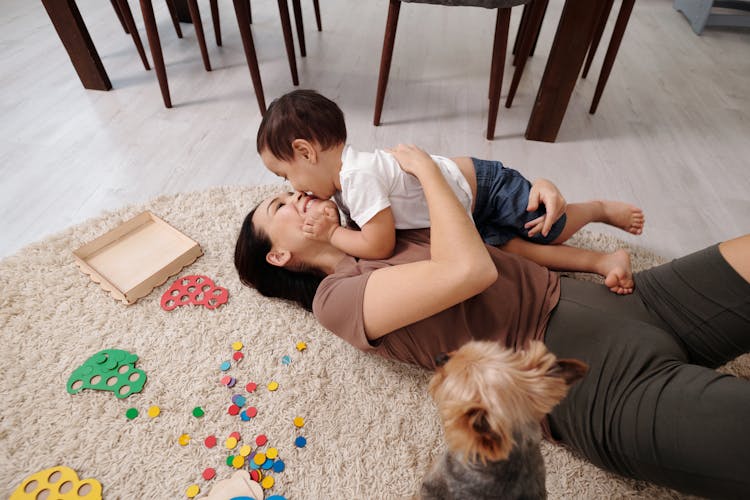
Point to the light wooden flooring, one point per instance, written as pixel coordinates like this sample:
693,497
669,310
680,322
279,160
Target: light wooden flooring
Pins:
672,133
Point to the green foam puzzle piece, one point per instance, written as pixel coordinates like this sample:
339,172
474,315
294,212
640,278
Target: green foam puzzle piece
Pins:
103,371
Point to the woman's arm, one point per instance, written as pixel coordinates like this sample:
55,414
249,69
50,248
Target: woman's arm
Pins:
459,266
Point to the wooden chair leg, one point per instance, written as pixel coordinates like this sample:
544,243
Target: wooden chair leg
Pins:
241,10
249,12
286,28
601,22
539,30
524,24
119,16
614,45
316,6
195,15
521,27
499,47
534,23
216,21
152,33
300,28
127,18
385,60
175,18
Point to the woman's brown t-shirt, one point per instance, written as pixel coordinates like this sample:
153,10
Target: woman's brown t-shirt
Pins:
514,310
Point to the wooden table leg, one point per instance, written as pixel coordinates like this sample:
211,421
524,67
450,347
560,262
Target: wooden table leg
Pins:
561,72
75,38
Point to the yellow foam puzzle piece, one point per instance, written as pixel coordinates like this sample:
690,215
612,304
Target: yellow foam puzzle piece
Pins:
60,482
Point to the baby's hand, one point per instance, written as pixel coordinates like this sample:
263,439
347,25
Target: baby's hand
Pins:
320,226
546,193
411,158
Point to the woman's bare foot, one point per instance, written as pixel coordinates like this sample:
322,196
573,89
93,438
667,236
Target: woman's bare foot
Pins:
623,215
617,272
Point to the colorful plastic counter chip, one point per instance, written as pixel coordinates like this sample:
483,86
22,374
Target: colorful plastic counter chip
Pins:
267,482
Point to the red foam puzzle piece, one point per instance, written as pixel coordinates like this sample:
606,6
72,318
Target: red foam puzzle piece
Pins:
194,290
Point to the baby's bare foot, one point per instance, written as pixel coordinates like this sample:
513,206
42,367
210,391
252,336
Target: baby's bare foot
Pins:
617,272
623,215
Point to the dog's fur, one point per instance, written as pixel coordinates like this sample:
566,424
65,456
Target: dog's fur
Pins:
492,401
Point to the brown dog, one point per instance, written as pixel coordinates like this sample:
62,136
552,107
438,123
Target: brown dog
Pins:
491,401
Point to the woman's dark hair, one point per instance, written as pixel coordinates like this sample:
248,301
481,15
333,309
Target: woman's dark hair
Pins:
300,114
272,281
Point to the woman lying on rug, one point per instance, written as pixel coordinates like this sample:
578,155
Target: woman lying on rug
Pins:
651,406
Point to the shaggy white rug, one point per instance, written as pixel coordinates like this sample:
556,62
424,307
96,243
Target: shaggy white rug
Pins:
371,429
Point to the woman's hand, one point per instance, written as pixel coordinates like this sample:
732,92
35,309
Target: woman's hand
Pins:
546,193
321,225
411,159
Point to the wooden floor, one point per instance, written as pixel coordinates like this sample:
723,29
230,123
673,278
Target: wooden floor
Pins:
672,133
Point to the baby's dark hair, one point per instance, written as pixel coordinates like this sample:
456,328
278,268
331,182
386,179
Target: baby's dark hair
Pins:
272,281
300,114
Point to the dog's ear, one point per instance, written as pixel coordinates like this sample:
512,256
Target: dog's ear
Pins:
570,370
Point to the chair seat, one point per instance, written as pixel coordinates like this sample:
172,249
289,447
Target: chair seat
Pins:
488,4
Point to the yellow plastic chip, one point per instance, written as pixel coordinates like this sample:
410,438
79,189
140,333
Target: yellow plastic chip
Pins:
301,346
154,411
237,345
272,453
273,385
245,450
230,443
299,421
238,461
267,482
184,439
259,458
192,491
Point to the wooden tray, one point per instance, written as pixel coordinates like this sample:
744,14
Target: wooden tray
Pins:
136,257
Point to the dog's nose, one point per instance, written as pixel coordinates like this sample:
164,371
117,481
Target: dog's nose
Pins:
442,358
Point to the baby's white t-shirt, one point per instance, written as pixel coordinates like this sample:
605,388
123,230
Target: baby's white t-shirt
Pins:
371,182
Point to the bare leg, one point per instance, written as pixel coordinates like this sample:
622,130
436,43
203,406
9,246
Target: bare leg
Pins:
615,213
737,254
614,267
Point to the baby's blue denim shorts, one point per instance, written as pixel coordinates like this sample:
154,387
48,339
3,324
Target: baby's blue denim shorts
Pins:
500,206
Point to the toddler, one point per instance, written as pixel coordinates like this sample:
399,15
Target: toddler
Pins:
302,138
